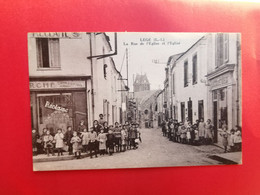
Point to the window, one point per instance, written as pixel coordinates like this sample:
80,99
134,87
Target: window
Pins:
226,47
200,109
185,73
221,49
222,94
194,70
105,71
48,53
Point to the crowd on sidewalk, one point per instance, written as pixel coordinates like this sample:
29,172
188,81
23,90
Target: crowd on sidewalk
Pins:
99,139
201,133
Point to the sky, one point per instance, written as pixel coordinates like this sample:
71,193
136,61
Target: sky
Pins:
144,49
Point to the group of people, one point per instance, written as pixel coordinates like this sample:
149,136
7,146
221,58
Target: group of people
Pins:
201,133
187,133
98,139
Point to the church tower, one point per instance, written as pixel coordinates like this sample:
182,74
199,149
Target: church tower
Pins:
141,83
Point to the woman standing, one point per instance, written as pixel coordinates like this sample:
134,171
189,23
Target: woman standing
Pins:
201,131
208,132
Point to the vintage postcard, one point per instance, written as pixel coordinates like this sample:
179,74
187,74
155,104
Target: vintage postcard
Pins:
133,99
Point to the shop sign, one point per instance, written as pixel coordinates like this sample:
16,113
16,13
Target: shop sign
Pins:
221,80
65,35
37,85
55,107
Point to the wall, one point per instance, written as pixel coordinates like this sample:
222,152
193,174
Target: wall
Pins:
197,91
73,53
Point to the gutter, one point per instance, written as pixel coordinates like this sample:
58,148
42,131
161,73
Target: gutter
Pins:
105,55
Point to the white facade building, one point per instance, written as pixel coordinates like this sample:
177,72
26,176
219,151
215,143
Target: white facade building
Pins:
68,83
205,82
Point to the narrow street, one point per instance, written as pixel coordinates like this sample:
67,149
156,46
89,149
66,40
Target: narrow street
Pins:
155,150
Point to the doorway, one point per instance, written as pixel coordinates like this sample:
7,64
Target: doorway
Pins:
215,120
183,112
190,111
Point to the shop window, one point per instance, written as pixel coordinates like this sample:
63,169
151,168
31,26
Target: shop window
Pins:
48,52
194,70
185,73
55,111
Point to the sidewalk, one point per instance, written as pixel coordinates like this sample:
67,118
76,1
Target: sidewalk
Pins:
66,156
228,158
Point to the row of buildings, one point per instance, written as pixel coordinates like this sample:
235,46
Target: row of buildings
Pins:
73,77
204,82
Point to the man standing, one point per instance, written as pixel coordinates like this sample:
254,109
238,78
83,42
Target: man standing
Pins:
67,138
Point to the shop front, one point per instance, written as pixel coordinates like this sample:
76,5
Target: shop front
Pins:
223,99
58,103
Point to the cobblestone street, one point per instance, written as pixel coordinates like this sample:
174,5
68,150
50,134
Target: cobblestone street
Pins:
154,151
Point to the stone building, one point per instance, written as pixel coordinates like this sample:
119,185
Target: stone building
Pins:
141,83
205,82
72,78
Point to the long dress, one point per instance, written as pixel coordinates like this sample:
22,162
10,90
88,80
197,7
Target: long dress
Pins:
75,140
102,138
59,140
224,135
123,136
208,131
85,138
48,141
201,129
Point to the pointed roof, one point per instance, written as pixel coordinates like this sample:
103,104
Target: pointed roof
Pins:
141,79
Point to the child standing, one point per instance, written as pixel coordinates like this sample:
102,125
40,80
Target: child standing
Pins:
183,134
123,138
117,133
188,135
110,141
93,142
237,139
224,135
75,140
196,138
85,140
232,143
102,138
179,132
35,137
48,143
59,141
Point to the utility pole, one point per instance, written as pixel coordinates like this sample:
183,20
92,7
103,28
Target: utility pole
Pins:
127,68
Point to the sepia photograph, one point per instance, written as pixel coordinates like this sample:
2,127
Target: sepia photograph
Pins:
113,100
